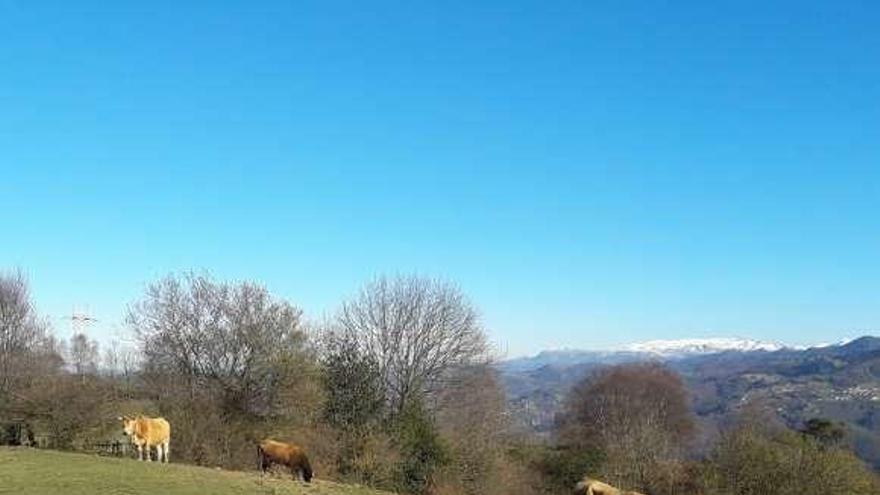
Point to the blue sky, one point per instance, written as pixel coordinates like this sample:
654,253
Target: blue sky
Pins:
590,173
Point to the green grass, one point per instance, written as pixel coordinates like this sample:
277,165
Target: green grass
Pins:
46,472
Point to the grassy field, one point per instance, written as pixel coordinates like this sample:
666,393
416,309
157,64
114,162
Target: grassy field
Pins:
46,472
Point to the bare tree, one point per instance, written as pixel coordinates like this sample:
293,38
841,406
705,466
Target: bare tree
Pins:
470,418
417,330
224,362
22,335
232,338
83,355
637,414
111,361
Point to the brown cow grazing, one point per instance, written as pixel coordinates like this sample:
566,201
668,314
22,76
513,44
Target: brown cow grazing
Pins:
292,456
589,486
148,432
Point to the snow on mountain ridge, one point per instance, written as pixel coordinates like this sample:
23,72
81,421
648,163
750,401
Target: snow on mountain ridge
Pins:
702,346
662,350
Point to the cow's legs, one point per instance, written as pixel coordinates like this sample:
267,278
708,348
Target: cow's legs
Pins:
264,461
159,450
167,449
140,452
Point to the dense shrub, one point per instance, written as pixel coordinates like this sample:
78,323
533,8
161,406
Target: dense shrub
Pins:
421,449
749,461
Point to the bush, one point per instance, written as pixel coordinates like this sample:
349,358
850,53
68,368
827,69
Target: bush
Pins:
749,461
422,452
554,469
563,467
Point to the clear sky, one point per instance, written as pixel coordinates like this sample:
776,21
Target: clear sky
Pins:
590,173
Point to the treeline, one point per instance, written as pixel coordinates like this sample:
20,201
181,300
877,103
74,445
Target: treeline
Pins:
396,390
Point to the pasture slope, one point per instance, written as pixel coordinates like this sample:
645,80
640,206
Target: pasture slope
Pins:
46,472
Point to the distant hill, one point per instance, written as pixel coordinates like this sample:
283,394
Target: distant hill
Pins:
840,381
25,471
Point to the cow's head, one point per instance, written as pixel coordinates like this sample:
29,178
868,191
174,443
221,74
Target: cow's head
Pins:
128,425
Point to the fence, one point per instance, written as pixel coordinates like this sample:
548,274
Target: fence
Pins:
114,448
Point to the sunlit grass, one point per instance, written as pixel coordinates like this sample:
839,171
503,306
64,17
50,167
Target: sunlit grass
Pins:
45,472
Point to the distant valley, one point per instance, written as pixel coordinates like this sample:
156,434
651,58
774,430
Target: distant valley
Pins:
839,381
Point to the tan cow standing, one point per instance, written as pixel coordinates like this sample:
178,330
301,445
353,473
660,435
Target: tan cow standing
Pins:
148,432
589,486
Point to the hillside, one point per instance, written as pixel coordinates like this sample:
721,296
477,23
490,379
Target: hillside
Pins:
841,382
45,472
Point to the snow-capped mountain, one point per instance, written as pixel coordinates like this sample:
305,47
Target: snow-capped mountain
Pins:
649,350
653,350
688,347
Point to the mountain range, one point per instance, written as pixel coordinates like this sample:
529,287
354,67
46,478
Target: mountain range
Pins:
838,381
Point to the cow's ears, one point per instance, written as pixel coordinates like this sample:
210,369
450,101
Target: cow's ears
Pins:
122,418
